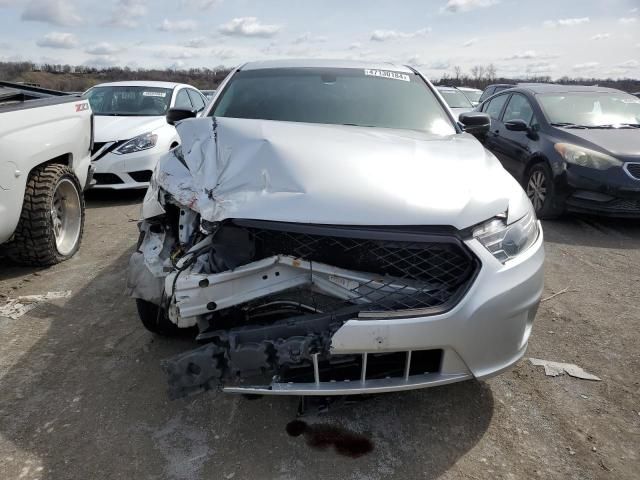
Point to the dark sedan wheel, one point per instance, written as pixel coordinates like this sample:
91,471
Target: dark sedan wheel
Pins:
540,190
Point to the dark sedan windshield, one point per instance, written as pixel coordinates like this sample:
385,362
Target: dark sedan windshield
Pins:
343,96
129,101
455,99
590,109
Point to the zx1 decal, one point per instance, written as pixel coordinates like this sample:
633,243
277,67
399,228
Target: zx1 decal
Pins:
82,106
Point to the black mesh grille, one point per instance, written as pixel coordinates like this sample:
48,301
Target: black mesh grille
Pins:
106,179
634,170
141,175
409,274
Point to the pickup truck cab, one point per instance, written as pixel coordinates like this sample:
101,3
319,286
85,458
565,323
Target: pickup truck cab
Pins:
45,158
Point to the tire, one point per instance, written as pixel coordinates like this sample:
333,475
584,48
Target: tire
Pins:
155,319
539,187
52,219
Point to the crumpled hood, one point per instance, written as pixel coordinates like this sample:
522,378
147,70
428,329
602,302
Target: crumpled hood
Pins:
109,129
327,174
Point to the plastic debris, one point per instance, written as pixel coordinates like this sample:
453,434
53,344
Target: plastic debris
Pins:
17,307
553,369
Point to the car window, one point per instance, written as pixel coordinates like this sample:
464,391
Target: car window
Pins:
196,99
455,99
125,100
182,100
337,96
518,108
495,106
487,92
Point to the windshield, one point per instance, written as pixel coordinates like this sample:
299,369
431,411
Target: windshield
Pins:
590,109
340,96
455,99
472,95
129,101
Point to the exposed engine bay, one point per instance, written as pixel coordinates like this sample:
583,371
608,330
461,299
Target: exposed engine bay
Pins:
266,297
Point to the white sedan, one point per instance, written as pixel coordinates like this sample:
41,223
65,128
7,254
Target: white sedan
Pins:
131,131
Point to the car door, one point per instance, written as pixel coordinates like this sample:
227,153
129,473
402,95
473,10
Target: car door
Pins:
515,147
494,108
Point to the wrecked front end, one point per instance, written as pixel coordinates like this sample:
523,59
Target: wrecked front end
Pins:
296,307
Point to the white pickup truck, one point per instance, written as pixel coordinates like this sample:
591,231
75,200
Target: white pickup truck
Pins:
45,158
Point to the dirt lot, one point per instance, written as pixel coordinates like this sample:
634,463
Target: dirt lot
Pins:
82,395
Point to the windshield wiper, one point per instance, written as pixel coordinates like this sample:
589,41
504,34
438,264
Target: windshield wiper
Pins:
567,125
618,125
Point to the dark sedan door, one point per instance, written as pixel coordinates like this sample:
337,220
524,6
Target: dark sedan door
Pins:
514,148
494,108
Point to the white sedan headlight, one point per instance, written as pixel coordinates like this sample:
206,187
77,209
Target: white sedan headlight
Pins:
137,144
508,241
586,157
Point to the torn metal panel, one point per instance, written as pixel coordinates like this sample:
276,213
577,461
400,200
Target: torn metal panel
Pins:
326,174
553,369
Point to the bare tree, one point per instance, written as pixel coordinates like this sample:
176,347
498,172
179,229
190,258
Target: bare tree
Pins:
491,72
458,71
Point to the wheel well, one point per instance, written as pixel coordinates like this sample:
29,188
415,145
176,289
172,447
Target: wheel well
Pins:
533,161
65,159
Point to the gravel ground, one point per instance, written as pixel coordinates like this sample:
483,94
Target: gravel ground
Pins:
82,395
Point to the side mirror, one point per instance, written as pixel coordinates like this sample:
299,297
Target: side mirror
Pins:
475,123
174,115
516,125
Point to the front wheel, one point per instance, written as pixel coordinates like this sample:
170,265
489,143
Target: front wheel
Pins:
52,217
155,319
541,191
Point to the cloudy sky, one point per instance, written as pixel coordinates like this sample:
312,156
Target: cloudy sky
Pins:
598,38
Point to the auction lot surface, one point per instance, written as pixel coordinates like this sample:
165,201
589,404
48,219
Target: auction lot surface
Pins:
82,395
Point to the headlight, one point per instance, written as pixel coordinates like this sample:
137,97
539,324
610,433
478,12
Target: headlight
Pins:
141,142
508,241
586,157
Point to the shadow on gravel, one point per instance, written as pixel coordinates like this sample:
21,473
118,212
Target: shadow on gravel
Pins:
88,400
113,198
591,231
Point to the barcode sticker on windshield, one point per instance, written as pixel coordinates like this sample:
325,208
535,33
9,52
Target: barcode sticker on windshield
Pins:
387,74
154,94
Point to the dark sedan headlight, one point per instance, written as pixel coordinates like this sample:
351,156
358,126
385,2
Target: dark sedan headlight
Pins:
508,241
137,144
586,157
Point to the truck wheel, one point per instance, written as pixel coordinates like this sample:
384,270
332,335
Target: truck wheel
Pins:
155,319
52,217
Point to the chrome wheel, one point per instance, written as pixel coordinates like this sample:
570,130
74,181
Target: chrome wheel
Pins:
537,189
66,216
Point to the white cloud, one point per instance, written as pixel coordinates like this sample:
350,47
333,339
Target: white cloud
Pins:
127,13
385,35
566,22
103,48
249,27
58,40
203,4
627,20
471,41
601,36
454,6
629,64
308,38
177,26
55,12
198,42
585,66
526,55
538,68
175,53
357,45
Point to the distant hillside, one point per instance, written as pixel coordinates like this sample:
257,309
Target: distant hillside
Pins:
77,79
